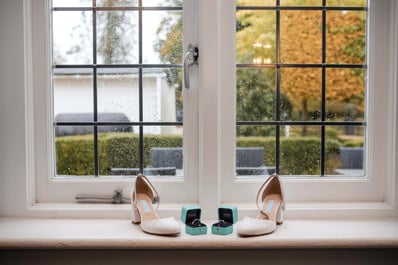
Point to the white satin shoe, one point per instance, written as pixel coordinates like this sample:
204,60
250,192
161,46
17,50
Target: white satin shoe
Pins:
271,204
143,197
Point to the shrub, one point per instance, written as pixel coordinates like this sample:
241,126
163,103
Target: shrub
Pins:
75,154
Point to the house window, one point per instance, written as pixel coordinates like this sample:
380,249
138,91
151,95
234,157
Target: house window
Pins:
301,87
117,90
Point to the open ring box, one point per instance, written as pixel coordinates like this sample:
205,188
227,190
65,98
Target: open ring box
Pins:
227,216
190,216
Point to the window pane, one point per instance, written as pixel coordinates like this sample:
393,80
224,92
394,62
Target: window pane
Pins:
75,152
301,2
301,37
162,94
255,94
346,37
161,29
345,94
345,150
255,2
346,2
255,150
117,40
302,89
174,3
73,94
117,3
300,151
72,3
163,153
118,94
72,37
255,37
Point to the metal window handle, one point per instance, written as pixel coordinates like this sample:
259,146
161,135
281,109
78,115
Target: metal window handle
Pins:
117,198
190,58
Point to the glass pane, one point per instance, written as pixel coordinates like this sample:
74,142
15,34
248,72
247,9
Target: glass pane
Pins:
345,150
73,94
72,3
118,98
117,37
345,94
301,37
255,94
162,94
255,37
163,153
301,93
117,3
118,148
169,3
255,2
255,150
75,152
72,37
162,37
300,151
346,37
361,3
301,2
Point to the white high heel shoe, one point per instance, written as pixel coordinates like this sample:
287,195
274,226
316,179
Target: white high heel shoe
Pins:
143,197
271,204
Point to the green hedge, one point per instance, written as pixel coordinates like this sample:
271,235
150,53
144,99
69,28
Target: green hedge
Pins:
75,154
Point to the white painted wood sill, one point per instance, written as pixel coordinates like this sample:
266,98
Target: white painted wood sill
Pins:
121,234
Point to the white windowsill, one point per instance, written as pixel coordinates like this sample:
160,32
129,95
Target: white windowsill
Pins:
122,234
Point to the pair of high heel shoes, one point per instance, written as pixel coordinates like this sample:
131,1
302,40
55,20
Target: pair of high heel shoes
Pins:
270,202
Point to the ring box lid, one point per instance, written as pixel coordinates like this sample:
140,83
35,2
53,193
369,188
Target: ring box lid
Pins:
190,213
228,213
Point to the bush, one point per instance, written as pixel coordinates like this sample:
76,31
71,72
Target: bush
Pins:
75,154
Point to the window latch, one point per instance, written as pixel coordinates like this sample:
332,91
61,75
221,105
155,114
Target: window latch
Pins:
190,58
117,198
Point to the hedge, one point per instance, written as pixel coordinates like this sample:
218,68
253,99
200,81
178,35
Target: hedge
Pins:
75,154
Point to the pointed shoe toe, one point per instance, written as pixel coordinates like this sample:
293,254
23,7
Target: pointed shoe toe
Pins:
255,227
162,226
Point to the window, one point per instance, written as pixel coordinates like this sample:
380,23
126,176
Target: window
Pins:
211,126
301,87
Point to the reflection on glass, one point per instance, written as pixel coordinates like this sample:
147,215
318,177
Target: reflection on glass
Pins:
346,37
161,28
255,37
301,88
345,94
301,37
345,150
118,94
73,92
163,152
255,94
300,151
255,150
117,37
74,150
162,94
72,37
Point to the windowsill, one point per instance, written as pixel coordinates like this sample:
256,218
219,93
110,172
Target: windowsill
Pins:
121,234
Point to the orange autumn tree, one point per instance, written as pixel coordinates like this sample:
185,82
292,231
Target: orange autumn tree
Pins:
301,43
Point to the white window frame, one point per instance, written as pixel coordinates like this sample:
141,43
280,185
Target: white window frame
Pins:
215,182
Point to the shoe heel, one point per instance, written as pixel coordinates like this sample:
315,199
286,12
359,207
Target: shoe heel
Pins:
279,216
135,215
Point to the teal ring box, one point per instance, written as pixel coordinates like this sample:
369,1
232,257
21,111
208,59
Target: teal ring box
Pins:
190,216
227,216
